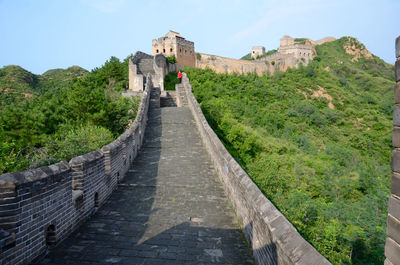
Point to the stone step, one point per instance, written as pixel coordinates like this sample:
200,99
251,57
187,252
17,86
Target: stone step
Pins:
167,102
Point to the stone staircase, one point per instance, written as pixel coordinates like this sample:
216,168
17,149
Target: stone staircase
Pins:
168,99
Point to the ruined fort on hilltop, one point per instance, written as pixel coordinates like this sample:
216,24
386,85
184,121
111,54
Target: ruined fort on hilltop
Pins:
291,53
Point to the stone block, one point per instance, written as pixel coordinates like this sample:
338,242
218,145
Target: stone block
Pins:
394,207
397,70
397,94
393,228
388,262
396,161
396,116
395,187
396,137
392,251
398,47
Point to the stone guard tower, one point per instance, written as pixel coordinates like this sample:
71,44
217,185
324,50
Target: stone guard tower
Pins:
174,44
288,46
257,51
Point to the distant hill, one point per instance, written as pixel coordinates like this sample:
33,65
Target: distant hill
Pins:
60,77
73,71
18,84
317,141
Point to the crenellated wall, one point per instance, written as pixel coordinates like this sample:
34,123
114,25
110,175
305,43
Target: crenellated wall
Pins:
392,247
41,207
272,237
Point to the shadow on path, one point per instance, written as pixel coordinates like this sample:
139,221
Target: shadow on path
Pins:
170,208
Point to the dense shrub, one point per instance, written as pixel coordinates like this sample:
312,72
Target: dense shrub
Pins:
72,112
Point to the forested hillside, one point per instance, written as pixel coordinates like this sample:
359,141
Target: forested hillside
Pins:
60,114
317,141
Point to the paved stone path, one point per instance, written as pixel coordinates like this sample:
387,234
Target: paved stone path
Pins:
170,209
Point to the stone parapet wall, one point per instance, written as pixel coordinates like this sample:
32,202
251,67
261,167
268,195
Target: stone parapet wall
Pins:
297,46
261,66
228,65
274,56
161,69
41,207
272,237
392,247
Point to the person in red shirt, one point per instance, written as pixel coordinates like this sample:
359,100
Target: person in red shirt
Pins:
180,77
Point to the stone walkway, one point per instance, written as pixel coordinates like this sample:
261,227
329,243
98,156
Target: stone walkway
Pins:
170,209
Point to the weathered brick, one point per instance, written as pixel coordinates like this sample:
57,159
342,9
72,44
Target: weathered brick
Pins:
393,228
396,116
392,250
397,70
398,47
395,187
396,137
397,93
395,160
388,262
394,207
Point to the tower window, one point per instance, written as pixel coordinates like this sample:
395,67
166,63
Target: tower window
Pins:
170,50
157,51
164,50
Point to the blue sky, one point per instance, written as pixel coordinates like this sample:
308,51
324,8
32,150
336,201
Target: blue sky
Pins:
45,34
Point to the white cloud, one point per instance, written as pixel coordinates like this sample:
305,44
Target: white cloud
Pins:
105,6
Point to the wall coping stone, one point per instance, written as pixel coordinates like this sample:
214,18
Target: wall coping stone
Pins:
111,146
86,158
31,175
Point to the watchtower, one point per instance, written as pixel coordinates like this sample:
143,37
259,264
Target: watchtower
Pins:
175,44
286,41
257,51
288,45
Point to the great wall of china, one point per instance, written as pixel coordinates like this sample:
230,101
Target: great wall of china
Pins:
42,207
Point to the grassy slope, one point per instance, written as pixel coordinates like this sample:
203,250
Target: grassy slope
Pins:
326,169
